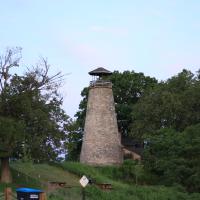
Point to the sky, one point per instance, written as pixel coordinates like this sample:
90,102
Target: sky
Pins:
156,37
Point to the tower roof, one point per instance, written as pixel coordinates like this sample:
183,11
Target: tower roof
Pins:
100,72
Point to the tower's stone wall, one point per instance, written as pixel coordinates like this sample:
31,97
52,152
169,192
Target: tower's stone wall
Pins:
101,141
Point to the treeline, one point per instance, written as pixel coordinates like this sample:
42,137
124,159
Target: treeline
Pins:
166,115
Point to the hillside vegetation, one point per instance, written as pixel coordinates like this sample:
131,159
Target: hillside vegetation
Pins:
123,189
36,175
164,116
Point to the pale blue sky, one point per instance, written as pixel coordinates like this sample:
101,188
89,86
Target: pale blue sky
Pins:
158,37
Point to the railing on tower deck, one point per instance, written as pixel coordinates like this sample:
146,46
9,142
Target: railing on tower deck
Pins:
101,83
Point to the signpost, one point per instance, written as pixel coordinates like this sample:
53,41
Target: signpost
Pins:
83,181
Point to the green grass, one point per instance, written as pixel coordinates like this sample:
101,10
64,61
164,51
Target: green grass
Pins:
26,174
74,193
121,190
45,173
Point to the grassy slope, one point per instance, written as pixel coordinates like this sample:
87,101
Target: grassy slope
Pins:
123,191
37,176
41,173
46,173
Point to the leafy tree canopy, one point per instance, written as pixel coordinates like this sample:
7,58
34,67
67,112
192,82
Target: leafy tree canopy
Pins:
171,104
174,157
32,121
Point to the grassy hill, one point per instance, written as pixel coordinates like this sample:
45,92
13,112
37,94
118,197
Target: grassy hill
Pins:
43,173
38,175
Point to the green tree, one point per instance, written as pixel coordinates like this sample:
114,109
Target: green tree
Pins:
11,129
12,132
128,88
171,104
32,121
76,128
73,141
81,114
174,157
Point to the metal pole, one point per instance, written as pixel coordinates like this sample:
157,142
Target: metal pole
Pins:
83,193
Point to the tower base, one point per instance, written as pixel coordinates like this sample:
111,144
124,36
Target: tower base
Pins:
101,141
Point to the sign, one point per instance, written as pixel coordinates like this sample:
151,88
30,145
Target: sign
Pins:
84,181
34,196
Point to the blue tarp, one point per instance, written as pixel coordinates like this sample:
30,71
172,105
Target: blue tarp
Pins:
28,190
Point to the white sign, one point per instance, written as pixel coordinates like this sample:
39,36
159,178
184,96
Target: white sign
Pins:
84,181
34,196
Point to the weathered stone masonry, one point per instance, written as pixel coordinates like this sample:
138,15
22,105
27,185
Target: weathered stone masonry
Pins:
101,141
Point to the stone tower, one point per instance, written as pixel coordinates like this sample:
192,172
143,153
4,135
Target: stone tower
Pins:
101,140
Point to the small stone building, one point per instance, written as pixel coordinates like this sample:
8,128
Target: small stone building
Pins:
132,149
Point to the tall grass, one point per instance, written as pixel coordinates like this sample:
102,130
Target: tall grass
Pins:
122,190
23,180
74,193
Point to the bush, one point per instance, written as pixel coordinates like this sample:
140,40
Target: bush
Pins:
174,157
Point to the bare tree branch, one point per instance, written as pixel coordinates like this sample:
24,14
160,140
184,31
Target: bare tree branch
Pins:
40,74
9,60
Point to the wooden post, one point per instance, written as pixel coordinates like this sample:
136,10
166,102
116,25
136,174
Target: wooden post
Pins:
8,194
43,196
